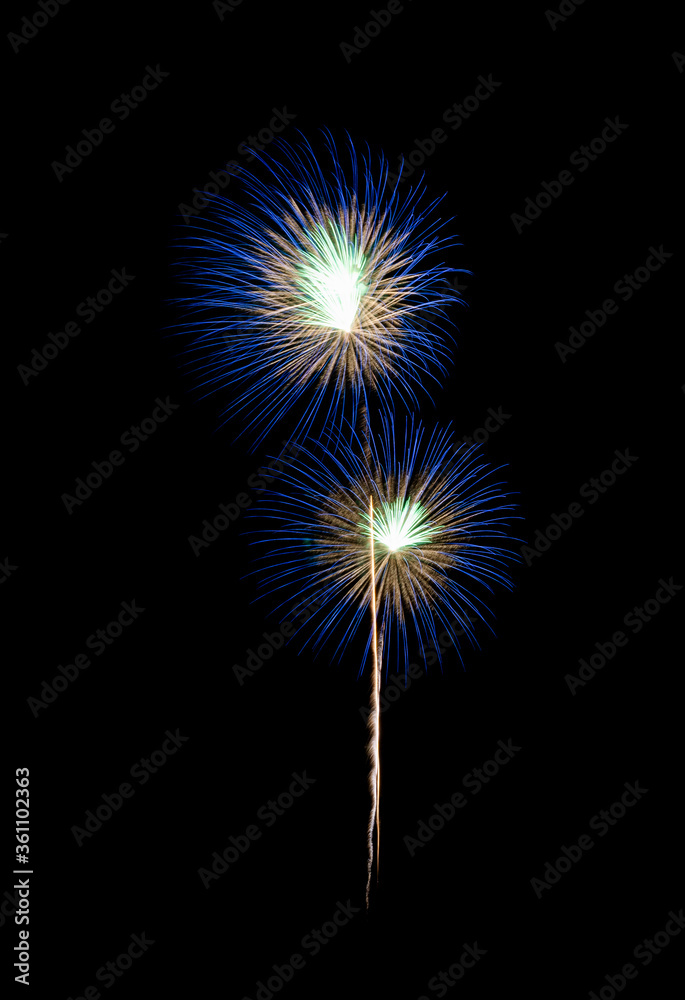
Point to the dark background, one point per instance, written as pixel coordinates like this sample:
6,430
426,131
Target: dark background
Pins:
173,667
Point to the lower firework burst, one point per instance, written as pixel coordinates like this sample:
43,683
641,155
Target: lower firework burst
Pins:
326,289
438,524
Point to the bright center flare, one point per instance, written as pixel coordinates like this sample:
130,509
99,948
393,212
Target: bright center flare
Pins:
331,281
400,524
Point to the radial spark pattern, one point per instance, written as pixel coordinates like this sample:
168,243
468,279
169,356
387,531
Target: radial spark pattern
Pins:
440,533
400,524
327,289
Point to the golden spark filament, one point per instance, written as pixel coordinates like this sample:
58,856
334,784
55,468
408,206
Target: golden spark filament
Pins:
374,718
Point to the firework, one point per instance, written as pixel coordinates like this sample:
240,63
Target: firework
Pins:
321,293
415,533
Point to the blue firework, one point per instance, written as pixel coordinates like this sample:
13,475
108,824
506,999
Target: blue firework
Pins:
440,530
324,291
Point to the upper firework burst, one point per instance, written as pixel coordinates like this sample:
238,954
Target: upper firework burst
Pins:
326,288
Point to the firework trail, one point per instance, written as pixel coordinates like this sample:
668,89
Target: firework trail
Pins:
321,292
409,533
374,723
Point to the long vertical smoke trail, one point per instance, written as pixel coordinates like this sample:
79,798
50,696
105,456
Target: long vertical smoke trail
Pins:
374,727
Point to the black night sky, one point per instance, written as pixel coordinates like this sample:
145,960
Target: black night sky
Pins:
529,810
